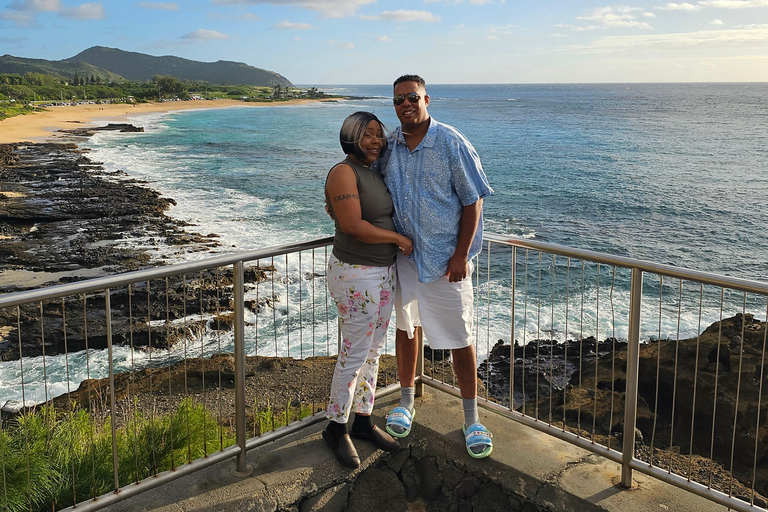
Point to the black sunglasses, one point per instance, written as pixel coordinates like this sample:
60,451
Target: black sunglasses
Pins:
398,99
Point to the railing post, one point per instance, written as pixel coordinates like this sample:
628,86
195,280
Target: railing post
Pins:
242,468
512,333
112,401
418,334
633,364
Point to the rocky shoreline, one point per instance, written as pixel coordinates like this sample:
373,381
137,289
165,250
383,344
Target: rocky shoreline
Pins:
63,215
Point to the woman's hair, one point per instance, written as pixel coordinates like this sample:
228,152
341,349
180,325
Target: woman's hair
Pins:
353,131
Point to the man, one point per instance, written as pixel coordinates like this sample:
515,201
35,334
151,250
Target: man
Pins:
437,185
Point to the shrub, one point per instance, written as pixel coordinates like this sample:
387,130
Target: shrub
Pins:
49,457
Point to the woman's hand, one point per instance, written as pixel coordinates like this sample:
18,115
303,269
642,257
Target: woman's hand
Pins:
404,244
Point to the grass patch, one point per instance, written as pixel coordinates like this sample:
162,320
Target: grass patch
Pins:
268,418
7,111
54,459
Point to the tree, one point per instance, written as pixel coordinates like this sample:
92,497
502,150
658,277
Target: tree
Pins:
76,79
169,85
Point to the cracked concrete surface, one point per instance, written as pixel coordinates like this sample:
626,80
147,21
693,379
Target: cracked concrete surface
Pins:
541,469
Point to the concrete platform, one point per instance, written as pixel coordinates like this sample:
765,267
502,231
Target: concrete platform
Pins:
548,472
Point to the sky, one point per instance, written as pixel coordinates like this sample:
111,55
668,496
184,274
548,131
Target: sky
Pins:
320,42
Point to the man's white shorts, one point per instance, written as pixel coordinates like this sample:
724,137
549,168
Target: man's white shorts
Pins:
443,309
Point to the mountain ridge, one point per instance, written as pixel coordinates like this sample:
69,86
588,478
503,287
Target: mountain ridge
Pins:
114,64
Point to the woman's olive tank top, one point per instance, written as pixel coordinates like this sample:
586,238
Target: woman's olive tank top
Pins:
376,207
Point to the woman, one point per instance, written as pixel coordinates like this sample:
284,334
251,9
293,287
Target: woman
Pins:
361,279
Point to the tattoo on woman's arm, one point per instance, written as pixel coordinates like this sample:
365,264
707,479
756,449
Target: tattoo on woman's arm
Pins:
345,196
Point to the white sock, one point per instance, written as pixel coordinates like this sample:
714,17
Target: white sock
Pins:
407,398
470,411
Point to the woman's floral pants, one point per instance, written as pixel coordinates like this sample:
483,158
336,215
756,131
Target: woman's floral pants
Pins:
364,297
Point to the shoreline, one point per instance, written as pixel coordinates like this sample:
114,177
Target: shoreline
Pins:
44,126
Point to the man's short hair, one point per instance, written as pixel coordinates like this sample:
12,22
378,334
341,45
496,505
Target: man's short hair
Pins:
410,78
353,130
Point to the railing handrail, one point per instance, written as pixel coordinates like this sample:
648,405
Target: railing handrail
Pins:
117,280
89,285
710,278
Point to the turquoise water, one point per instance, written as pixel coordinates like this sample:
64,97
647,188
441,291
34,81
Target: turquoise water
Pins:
672,173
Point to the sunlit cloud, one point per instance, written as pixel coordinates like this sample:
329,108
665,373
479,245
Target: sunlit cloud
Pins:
202,34
384,39
160,6
578,28
93,11
621,16
342,45
685,6
287,25
402,15
734,4
472,2
328,8
716,22
740,37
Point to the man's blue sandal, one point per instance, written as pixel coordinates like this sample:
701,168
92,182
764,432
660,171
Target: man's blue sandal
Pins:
478,439
401,418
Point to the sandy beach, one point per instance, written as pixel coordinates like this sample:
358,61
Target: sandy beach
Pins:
43,126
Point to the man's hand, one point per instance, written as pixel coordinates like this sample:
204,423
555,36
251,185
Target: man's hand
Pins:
457,268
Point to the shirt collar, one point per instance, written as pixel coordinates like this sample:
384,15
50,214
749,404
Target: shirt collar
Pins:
429,138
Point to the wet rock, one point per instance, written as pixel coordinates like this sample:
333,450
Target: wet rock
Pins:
117,127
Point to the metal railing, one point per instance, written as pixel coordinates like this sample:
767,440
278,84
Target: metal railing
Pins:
607,345
582,345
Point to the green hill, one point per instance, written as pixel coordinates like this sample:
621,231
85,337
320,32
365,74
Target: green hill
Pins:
63,68
114,65
140,66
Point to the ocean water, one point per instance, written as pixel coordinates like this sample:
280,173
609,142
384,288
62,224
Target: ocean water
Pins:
672,173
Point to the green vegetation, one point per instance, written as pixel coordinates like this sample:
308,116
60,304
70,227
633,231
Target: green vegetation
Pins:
266,418
20,94
16,109
49,458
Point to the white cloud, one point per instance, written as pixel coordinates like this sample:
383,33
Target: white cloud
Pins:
621,16
384,39
648,14
93,11
740,37
473,2
329,8
287,25
36,5
734,4
21,19
202,34
342,45
404,15
716,22
160,6
685,6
